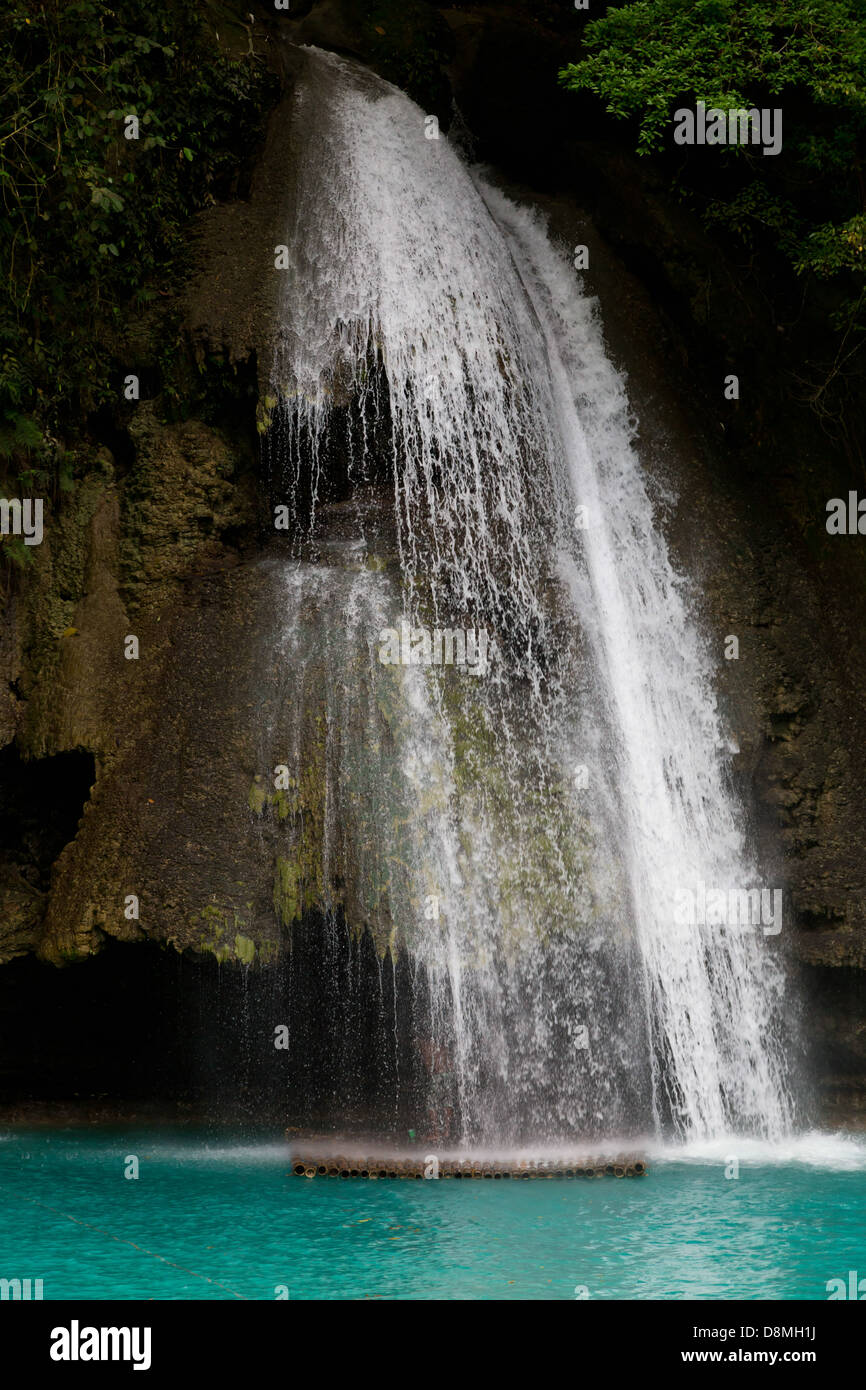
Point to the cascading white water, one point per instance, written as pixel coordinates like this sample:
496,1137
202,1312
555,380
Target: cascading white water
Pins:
433,321
713,994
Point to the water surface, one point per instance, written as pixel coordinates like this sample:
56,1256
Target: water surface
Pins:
212,1218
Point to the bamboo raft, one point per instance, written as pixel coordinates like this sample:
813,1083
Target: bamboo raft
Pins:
339,1166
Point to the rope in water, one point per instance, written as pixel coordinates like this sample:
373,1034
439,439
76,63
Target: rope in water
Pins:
121,1240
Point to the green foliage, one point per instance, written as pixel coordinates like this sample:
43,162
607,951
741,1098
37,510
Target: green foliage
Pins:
808,57
92,224
832,248
646,56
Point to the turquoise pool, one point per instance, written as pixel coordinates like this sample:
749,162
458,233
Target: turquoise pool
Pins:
213,1219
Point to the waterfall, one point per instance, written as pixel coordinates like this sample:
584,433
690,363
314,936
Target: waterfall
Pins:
529,829
713,996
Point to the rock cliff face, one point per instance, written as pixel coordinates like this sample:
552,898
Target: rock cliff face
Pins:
134,777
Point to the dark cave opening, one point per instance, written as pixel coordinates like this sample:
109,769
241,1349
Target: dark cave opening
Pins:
41,801
322,1041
